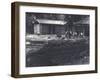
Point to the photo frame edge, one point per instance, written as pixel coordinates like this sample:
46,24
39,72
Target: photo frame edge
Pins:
15,40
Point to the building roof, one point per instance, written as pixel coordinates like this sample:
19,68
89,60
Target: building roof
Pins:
47,21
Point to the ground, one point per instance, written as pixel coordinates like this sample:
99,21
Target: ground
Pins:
57,52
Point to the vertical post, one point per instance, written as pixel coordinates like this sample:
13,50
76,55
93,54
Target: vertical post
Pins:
37,29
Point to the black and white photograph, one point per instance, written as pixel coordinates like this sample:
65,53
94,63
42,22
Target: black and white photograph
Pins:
53,39
57,39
